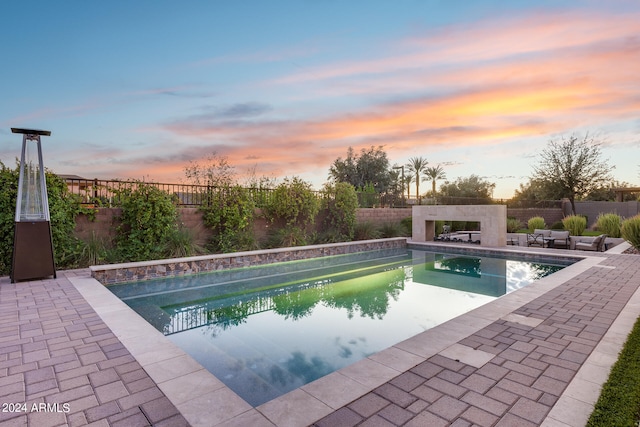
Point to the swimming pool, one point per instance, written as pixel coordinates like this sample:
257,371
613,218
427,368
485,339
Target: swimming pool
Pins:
267,330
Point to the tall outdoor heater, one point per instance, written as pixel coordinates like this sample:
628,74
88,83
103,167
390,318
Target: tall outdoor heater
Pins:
32,244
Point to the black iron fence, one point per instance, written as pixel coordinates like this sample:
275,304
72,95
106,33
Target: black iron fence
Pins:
103,192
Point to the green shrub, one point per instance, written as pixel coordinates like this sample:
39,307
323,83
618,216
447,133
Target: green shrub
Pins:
339,205
366,231
609,224
92,251
458,225
229,212
558,225
181,242
630,231
536,222
293,202
148,218
390,229
407,225
287,236
620,395
8,195
367,196
513,225
575,224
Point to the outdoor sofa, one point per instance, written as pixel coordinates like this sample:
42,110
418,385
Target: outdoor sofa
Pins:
596,244
549,238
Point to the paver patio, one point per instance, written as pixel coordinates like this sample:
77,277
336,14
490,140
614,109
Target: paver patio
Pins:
534,357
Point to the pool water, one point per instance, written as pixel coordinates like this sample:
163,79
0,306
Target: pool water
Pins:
268,330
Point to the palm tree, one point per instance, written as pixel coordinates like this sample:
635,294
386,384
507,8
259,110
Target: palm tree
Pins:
416,166
433,174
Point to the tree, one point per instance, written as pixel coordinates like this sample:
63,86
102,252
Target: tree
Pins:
215,171
536,190
572,167
433,174
471,187
606,192
416,166
371,166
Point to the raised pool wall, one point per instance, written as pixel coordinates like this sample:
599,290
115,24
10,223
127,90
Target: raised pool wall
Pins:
145,270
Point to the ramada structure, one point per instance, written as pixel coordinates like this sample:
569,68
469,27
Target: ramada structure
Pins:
492,218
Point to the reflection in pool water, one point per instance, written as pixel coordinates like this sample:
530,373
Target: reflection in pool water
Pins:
268,330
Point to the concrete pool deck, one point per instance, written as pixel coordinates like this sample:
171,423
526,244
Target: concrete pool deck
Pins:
537,356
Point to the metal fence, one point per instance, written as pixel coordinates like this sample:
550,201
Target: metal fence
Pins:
103,192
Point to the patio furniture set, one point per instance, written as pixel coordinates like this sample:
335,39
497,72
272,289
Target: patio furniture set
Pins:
561,239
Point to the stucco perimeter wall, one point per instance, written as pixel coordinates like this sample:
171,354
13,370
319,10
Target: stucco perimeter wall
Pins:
135,271
492,218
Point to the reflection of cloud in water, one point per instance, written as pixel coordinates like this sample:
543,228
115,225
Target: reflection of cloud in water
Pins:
279,375
345,352
518,275
308,369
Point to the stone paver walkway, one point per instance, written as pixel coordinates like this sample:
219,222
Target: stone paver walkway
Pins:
530,365
532,357
60,365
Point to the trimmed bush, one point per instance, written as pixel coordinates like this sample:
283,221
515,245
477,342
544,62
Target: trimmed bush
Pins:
558,225
575,224
229,213
630,231
513,225
148,217
609,224
536,222
339,203
293,203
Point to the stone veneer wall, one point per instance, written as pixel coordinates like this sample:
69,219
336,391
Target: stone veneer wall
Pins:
380,216
120,273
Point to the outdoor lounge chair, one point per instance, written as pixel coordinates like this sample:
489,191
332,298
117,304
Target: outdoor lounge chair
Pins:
596,244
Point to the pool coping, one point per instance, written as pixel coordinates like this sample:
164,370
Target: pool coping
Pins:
194,391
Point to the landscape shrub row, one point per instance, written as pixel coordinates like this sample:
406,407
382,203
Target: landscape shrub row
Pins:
148,226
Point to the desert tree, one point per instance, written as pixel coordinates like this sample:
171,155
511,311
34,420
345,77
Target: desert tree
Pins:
370,167
471,187
572,167
213,171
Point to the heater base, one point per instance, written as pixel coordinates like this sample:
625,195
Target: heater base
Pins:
32,251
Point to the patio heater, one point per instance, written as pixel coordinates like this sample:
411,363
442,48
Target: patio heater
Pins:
32,243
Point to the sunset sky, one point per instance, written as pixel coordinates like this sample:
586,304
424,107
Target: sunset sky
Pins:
137,89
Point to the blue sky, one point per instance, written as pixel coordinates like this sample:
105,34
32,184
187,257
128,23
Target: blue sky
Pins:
140,89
